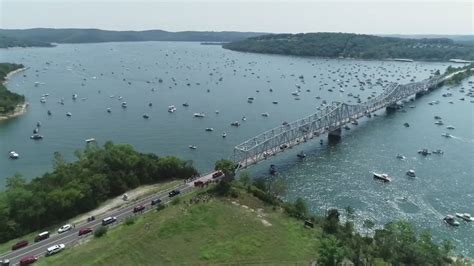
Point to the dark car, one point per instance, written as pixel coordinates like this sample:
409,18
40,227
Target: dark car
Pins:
173,193
109,220
198,183
155,201
20,244
85,231
138,208
90,219
42,236
217,174
28,260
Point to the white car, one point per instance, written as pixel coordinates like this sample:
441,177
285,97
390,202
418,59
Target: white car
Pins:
64,228
55,249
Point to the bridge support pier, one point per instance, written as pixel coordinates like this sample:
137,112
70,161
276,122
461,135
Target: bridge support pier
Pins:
335,135
393,107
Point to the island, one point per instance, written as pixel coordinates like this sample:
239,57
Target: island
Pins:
360,46
11,104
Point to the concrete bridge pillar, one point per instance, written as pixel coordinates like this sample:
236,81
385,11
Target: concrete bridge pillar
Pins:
335,135
393,107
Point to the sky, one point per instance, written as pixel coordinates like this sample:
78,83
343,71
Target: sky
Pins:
368,17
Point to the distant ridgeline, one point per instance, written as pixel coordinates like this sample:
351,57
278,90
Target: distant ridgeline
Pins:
348,45
44,37
8,100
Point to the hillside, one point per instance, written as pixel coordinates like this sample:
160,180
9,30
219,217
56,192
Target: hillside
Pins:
42,36
347,45
8,100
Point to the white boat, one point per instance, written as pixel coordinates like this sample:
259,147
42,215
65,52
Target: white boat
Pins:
446,135
411,173
68,114
465,216
450,127
124,104
43,100
295,93
199,115
171,108
449,219
90,140
192,147
401,157
235,124
224,135
13,155
74,96
209,129
146,116
382,177
439,122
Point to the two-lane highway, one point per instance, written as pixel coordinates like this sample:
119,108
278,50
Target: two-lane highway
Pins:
70,237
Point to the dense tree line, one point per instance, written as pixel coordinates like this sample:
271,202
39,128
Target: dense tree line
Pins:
99,173
347,45
8,100
6,42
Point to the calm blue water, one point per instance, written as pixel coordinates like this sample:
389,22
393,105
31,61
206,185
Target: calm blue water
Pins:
330,176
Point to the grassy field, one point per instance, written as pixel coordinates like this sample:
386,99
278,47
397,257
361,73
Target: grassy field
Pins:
5,247
217,231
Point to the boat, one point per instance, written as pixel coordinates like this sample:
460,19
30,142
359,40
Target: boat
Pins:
13,155
401,157
199,115
449,219
49,112
465,216
185,104
244,118
382,177
109,110
446,135
192,147
406,124
171,109
209,129
424,152
411,173
90,140
224,135
438,151
272,169
439,123
217,112
74,96
346,127
68,114
354,122
250,98
265,114
43,100
146,116
124,104
235,124
36,130
301,155
275,102
450,127
321,142
150,104
36,137
437,117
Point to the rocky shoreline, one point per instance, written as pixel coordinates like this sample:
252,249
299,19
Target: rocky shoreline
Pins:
21,108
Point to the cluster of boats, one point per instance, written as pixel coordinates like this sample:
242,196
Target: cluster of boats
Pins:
450,219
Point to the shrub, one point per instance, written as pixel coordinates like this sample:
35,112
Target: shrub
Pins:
100,232
176,201
160,207
130,220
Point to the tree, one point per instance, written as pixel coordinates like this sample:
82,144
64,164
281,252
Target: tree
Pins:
331,251
350,212
245,178
277,187
368,225
226,166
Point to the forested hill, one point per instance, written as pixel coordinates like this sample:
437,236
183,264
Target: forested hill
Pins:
45,35
349,45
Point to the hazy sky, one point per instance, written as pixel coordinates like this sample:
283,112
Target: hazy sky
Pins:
376,17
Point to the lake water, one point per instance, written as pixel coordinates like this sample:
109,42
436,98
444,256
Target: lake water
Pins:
210,78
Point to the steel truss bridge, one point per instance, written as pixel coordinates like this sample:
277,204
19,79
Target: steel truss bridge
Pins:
328,120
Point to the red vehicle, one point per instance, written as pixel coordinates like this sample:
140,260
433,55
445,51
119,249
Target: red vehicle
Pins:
28,260
138,208
85,231
217,174
20,244
198,183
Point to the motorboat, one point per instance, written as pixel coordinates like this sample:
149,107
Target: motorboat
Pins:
436,117
150,104
401,157
446,135
224,135
74,96
49,112
171,109
13,155
449,219
382,177
411,173
38,124
424,152
185,104
450,127
354,122
192,147
272,169
439,123
36,137
301,155
199,115
406,124
43,100
68,114
244,118
90,140
217,112
36,130
250,98
109,110
275,102
438,151
124,104
235,124
465,216
265,114
146,116
209,129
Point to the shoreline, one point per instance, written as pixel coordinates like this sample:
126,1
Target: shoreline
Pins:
20,108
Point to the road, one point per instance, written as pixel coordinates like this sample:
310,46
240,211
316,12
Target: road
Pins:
71,237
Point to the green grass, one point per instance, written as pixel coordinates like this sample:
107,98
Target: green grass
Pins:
213,232
5,247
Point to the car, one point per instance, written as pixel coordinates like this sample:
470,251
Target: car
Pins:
28,260
173,193
55,249
84,231
198,183
138,208
217,174
90,218
155,201
64,228
20,244
109,220
42,236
